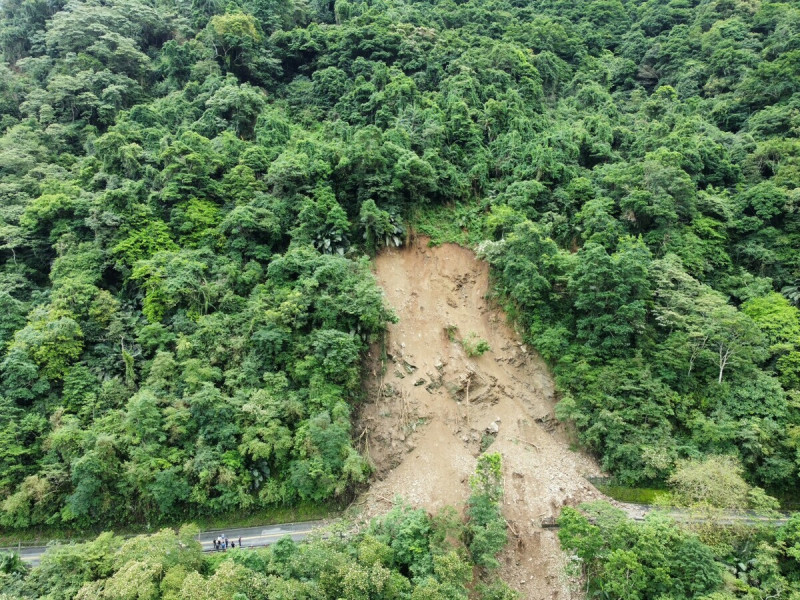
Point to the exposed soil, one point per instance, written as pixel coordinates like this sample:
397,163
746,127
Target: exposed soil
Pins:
431,407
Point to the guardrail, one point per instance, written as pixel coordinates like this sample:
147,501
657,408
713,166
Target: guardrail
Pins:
23,545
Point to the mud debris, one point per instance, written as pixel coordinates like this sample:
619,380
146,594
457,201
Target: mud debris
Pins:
423,438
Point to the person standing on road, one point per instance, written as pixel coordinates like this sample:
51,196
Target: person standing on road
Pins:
240,541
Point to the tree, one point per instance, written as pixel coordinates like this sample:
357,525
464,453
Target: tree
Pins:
716,481
735,336
712,326
52,340
656,193
531,268
609,294
323,222
778,320
380,227
172,278
237,42
234,105
95,475
637,560
486,528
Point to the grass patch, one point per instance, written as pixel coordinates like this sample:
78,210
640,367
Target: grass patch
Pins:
292,514
454,223
640,495
635,495
474,345
266,516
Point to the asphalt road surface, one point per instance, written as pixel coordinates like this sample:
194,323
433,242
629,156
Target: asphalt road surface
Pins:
260,536
252,537
637,512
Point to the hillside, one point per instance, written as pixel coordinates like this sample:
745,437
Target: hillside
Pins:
188,191
192,192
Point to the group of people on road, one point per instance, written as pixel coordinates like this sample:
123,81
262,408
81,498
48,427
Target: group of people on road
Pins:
223,543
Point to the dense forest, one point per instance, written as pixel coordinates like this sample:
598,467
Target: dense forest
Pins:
172,567
621,558
407,554
189,192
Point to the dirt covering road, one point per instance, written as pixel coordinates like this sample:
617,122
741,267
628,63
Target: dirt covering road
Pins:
432,408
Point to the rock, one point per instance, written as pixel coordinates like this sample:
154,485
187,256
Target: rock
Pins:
433,386
493,428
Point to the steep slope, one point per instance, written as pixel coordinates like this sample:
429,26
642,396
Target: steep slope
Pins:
431,407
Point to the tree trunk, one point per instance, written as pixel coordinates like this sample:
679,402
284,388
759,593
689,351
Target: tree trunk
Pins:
724,355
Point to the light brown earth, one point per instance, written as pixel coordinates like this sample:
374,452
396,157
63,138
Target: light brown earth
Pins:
430,404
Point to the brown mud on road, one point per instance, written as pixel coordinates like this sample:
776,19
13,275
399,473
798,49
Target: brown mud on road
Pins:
431,407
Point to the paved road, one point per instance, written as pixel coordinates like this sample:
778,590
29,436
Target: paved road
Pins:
251,537
260,536
30,555
637,512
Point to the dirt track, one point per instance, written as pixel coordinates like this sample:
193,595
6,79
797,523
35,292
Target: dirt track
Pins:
431,406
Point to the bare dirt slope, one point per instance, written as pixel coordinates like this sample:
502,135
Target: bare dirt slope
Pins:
431,405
